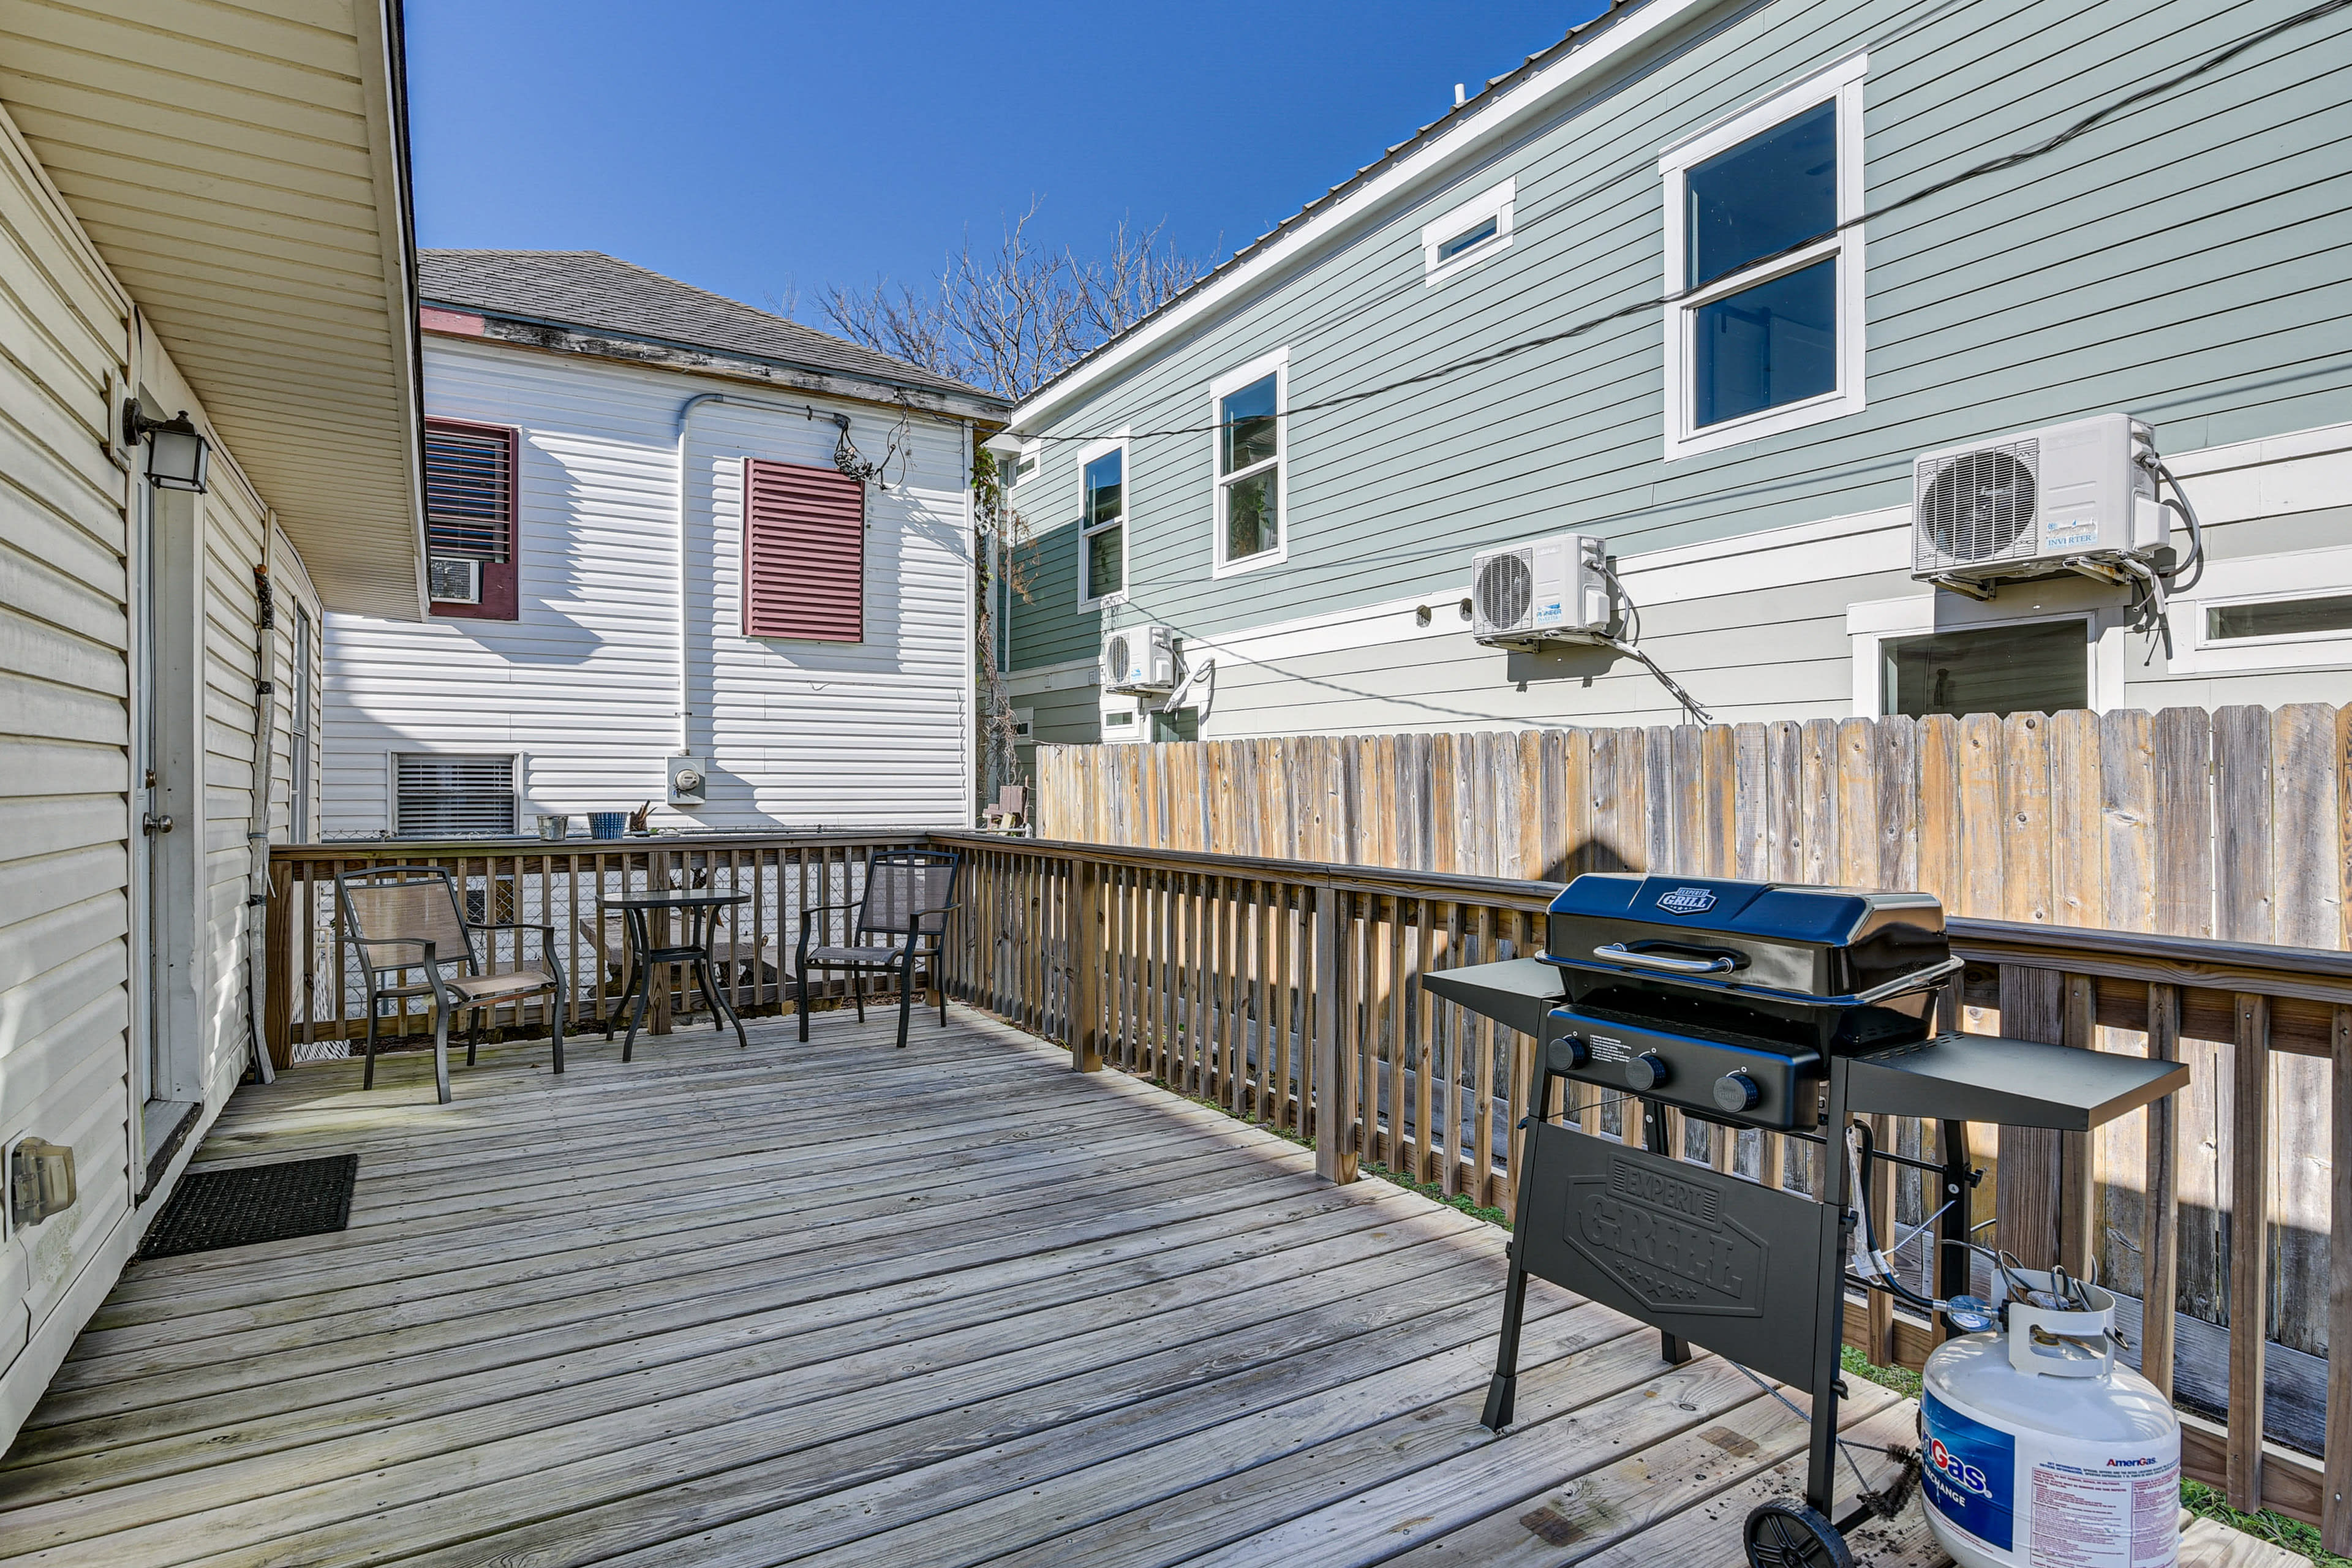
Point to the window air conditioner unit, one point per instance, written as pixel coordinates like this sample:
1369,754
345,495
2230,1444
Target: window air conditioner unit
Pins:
2071,497
455,580
1548,590
1139,660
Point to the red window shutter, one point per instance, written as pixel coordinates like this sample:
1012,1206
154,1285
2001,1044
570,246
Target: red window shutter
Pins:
470,497
803,552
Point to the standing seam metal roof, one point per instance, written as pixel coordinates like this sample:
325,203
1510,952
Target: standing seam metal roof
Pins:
588,289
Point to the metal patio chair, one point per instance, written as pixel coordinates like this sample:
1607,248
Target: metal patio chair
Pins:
908,893
405,918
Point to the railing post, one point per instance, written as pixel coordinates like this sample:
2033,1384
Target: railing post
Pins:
2249,1245
1335,1149
1087,964
277,934
2336,1507
2159,1225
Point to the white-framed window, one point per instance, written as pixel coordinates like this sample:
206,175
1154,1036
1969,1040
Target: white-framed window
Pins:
440,795
1248,454
1102,522
2289,611
1024,468
1765,333
1932,654
1478,228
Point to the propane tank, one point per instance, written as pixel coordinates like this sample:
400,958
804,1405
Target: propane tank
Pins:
2037,1450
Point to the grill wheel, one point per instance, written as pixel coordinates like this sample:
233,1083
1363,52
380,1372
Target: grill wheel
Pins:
1791,1535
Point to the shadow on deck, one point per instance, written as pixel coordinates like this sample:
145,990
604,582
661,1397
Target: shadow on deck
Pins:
838,1303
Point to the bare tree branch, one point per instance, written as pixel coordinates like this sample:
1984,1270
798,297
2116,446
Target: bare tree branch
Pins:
1012,318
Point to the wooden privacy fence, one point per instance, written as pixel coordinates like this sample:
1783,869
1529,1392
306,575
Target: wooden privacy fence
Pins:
318,998
2230,824
1288,991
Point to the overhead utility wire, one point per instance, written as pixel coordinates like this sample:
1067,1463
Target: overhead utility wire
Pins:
2023,156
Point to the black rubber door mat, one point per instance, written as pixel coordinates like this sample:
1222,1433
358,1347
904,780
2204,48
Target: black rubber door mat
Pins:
254,1202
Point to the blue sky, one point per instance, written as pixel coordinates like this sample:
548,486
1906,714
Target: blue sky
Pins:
757,149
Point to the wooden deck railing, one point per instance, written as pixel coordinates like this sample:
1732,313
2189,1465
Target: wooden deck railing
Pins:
1288,991
318,999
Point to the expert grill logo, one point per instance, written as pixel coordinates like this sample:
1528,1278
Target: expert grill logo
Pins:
1666,1239
1687,901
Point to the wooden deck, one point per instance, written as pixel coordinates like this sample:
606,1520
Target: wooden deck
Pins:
840,1304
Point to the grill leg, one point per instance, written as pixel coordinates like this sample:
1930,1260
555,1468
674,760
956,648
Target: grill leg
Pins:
1503,1389
1653,1138
1952,1271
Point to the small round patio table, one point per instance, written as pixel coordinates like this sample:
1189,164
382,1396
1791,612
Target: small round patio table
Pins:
700,909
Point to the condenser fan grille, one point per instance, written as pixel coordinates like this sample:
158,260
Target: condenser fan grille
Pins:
1977,506
1118,665
1506,590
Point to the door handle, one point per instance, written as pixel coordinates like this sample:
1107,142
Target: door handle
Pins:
152,824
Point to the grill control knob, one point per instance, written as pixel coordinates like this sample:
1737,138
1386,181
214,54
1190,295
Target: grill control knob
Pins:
1736,1092
1646,1071
1570,1052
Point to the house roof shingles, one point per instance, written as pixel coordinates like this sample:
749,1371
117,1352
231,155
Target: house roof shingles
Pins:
588,289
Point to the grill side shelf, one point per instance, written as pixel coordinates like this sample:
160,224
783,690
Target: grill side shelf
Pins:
2016,1083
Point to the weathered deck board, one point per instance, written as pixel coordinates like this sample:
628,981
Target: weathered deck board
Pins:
836,1303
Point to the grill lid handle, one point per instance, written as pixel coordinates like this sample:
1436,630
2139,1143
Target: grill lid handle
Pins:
1719,962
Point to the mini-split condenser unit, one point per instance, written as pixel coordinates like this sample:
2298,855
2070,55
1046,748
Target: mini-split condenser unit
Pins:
1547,590
1139,660
2071,497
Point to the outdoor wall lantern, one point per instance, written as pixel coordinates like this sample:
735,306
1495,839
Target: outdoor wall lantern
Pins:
177,452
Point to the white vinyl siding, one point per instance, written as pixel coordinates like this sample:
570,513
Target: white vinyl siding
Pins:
584,684
68,927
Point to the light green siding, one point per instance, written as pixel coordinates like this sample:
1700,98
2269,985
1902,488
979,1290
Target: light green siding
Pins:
2189,261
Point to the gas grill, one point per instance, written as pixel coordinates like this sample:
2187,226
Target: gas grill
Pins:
1790,1009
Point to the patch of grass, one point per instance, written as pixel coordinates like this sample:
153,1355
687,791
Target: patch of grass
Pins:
1902,1380
1431,1190
2277,1529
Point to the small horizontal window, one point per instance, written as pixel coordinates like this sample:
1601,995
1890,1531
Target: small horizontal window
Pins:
1448,249
2278,618
1466,237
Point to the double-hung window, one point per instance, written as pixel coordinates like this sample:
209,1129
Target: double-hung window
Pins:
1764,328
1102,525
1249,444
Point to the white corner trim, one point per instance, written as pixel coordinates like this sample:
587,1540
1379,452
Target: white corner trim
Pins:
1842,83
1504,118
1493,206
